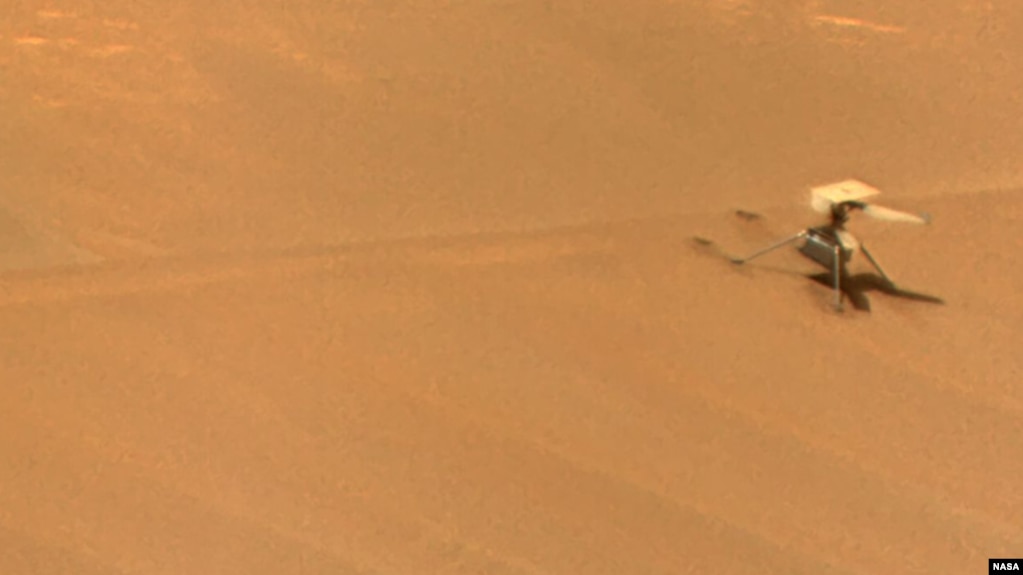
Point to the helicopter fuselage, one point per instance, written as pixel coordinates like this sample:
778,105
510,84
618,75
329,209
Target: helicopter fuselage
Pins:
822,245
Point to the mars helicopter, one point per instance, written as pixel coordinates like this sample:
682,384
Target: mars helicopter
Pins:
831,245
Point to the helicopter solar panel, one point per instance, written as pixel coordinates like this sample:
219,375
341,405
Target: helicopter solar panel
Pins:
848,190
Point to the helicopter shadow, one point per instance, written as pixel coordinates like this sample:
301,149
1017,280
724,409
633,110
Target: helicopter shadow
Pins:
857,286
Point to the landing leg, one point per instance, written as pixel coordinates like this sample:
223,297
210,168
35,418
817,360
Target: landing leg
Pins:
784,242
877,266
838,278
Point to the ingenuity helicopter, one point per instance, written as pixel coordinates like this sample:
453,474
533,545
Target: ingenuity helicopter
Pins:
831,245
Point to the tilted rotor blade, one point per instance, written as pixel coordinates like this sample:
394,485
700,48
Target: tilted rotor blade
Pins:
888,214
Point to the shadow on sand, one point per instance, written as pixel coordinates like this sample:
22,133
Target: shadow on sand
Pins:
856,287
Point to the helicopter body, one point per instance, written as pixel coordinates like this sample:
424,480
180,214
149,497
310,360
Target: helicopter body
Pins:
821,245
831,245
824,242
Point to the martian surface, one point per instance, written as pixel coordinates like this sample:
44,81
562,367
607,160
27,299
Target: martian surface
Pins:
395,287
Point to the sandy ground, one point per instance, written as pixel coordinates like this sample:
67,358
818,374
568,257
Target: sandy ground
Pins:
413,287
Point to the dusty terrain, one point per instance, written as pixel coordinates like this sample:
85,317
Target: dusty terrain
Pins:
412,287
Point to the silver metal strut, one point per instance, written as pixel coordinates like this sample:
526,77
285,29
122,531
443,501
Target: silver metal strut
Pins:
876,265
838,278
771,248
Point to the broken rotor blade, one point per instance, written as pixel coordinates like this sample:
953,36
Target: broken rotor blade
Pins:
888,214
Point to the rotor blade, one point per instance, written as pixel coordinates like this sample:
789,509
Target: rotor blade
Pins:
888,214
